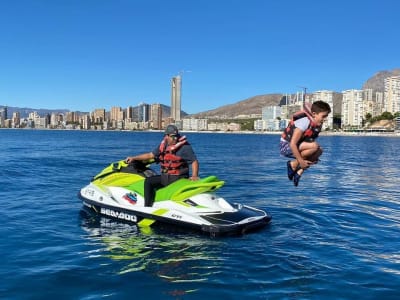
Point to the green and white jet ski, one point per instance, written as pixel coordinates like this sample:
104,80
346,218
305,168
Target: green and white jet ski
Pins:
117,192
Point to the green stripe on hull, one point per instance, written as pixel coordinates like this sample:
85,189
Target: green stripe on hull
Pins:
149,222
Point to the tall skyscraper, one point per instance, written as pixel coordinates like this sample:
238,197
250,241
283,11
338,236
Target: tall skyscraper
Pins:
176,88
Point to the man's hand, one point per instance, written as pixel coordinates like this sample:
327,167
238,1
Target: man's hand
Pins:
129,159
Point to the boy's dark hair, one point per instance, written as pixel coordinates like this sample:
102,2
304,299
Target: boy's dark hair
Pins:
320,106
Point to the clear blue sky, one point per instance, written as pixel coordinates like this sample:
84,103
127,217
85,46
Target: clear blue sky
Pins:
87,54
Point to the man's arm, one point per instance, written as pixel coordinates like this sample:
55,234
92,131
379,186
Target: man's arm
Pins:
195,170
144,156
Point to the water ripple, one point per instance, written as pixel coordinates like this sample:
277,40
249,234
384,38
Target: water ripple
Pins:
333,237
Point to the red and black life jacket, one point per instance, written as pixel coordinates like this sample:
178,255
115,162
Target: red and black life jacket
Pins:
169,161
309,135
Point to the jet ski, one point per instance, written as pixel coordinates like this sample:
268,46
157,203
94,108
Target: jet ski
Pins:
117,192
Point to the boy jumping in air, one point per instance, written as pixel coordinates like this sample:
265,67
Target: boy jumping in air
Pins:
298,139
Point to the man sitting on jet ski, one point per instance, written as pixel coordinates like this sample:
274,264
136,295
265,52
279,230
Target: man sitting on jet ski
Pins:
174,154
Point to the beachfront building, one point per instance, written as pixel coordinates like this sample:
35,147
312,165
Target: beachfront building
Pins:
259,125
379,104
143,112
156,116
16,119
99,115
130,113
352,108
373,103
270,116
57,120
3,116
392,94
397,124
116,113
326,96
194,124
40,122
85,121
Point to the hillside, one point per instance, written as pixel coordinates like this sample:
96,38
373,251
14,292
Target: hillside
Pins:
254,104
25,111
376,82
248,106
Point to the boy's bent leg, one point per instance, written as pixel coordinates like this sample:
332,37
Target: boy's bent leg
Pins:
310,151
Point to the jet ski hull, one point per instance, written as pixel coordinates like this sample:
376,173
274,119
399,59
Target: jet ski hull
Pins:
245,219
189,204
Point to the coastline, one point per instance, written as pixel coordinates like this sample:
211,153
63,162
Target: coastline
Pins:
323,133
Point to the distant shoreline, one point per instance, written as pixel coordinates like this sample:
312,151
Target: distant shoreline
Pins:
323,133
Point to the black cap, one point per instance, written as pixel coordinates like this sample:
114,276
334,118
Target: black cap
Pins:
171,129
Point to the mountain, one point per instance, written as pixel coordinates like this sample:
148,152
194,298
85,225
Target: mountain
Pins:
254,104
25,111
248,106
376,82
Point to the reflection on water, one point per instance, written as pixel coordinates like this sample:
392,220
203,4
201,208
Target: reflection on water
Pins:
175,257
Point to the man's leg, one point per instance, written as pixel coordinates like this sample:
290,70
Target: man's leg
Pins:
150,185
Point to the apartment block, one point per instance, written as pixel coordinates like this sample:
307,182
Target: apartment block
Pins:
326,96
352,108
392,94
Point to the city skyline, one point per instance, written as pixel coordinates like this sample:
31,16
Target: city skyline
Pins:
88,54
357,106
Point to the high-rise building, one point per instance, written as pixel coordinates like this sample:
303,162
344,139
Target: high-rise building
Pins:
326,96
143,112
116,114
129,113
86,121
352,108
16,119
3,112
156,116
176,89
3,115
392,94
99,115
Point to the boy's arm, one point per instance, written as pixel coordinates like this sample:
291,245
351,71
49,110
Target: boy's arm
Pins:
296,137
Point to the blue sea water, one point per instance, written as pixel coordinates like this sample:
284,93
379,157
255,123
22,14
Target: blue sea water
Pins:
335,236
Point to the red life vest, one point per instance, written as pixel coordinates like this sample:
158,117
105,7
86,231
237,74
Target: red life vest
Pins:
169,161
309,135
